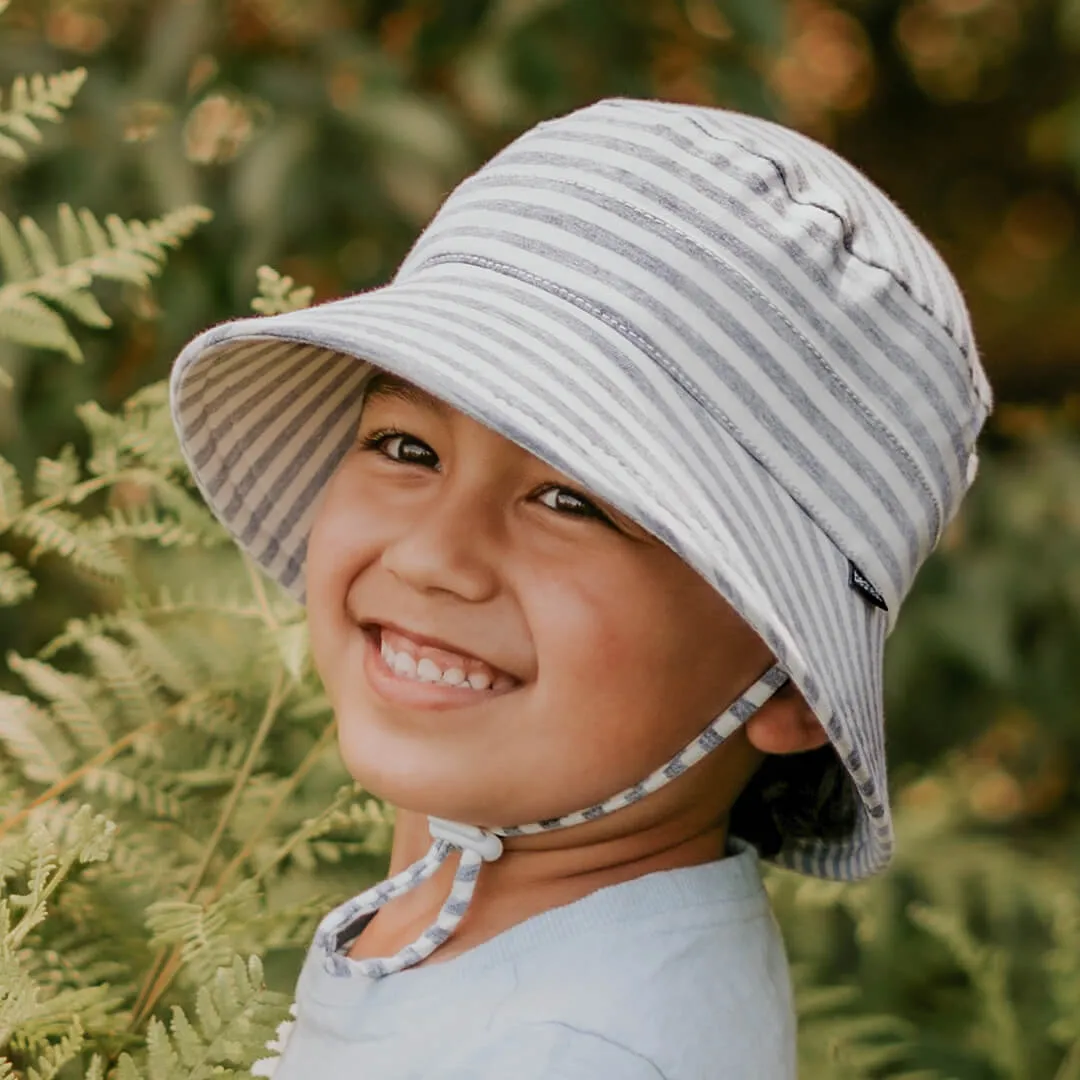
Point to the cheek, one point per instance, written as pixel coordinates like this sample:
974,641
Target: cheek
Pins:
341,543
613,669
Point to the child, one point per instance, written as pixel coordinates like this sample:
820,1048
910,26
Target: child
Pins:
602,511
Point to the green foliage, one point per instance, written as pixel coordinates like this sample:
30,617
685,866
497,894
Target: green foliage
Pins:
32,100
234,1013
962,961
32,867
39,276
277,293
134,465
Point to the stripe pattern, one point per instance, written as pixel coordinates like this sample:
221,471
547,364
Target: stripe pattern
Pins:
344,924
710,321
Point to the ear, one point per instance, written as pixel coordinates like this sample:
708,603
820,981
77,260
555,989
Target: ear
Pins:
785,724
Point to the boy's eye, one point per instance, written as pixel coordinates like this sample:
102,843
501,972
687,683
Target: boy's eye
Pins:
408,450
397,446
566,499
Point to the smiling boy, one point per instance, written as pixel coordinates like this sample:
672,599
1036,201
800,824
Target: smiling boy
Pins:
452,544
602,511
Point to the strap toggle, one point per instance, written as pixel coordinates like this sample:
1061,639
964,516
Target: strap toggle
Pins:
468,837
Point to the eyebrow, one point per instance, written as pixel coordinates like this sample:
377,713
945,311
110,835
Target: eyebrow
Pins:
387,385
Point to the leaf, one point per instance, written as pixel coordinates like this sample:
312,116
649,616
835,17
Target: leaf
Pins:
39,98
121,789
55,476
73,243
13,256
277,293
38,245
60,532
126,1068
56,1055
16,583
71,698
38,276
27,321
163,1063
11,494
82,305
24,733
156,654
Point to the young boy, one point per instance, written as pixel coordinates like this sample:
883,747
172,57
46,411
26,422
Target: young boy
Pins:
602,511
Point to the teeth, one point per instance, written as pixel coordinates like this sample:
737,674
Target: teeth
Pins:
426,670
404,664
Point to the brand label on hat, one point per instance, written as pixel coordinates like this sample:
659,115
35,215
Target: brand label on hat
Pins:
862,585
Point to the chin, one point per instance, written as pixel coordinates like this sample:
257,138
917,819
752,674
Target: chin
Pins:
421,783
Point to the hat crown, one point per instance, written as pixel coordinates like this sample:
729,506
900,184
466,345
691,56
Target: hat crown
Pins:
773,282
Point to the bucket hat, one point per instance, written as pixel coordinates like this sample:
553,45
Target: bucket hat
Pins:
708,320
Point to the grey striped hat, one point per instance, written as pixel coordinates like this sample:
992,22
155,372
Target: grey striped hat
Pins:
710,321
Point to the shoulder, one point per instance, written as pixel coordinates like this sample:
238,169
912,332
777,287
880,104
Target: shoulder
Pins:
680,999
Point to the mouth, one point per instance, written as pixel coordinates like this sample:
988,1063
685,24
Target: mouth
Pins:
410,669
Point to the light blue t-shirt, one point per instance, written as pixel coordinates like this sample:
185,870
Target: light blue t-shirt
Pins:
677,975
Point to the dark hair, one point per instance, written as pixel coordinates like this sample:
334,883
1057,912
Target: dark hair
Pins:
795,797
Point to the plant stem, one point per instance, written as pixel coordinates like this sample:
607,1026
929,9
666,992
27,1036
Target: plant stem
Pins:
259,592
290,785
167,962
72,778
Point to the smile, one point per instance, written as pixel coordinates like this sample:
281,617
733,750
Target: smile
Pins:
409,672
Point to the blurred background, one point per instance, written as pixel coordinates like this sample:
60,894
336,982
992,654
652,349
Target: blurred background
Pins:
323,134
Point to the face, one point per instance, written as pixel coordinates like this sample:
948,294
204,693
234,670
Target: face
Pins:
575,653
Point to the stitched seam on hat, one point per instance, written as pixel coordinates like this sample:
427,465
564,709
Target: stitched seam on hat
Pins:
847,232
653,352
874,420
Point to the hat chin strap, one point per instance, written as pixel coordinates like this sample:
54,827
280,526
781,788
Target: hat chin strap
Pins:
478,846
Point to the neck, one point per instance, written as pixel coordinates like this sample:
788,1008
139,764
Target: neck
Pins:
534,874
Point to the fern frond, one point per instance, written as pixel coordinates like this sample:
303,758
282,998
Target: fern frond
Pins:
30,737
73,700
96,1007
193,602
54,1056
128,680
206,933
120,788
50,851
157,656
130,251
16,584
43,284
84,544
41,97
143,523
11,494
55,476
26,320
277,293
986,966
139,442
234,1017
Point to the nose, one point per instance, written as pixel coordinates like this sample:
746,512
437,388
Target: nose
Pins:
449,545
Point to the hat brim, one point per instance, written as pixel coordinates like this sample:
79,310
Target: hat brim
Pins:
266,408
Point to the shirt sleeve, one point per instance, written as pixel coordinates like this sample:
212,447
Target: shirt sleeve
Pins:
549,1051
